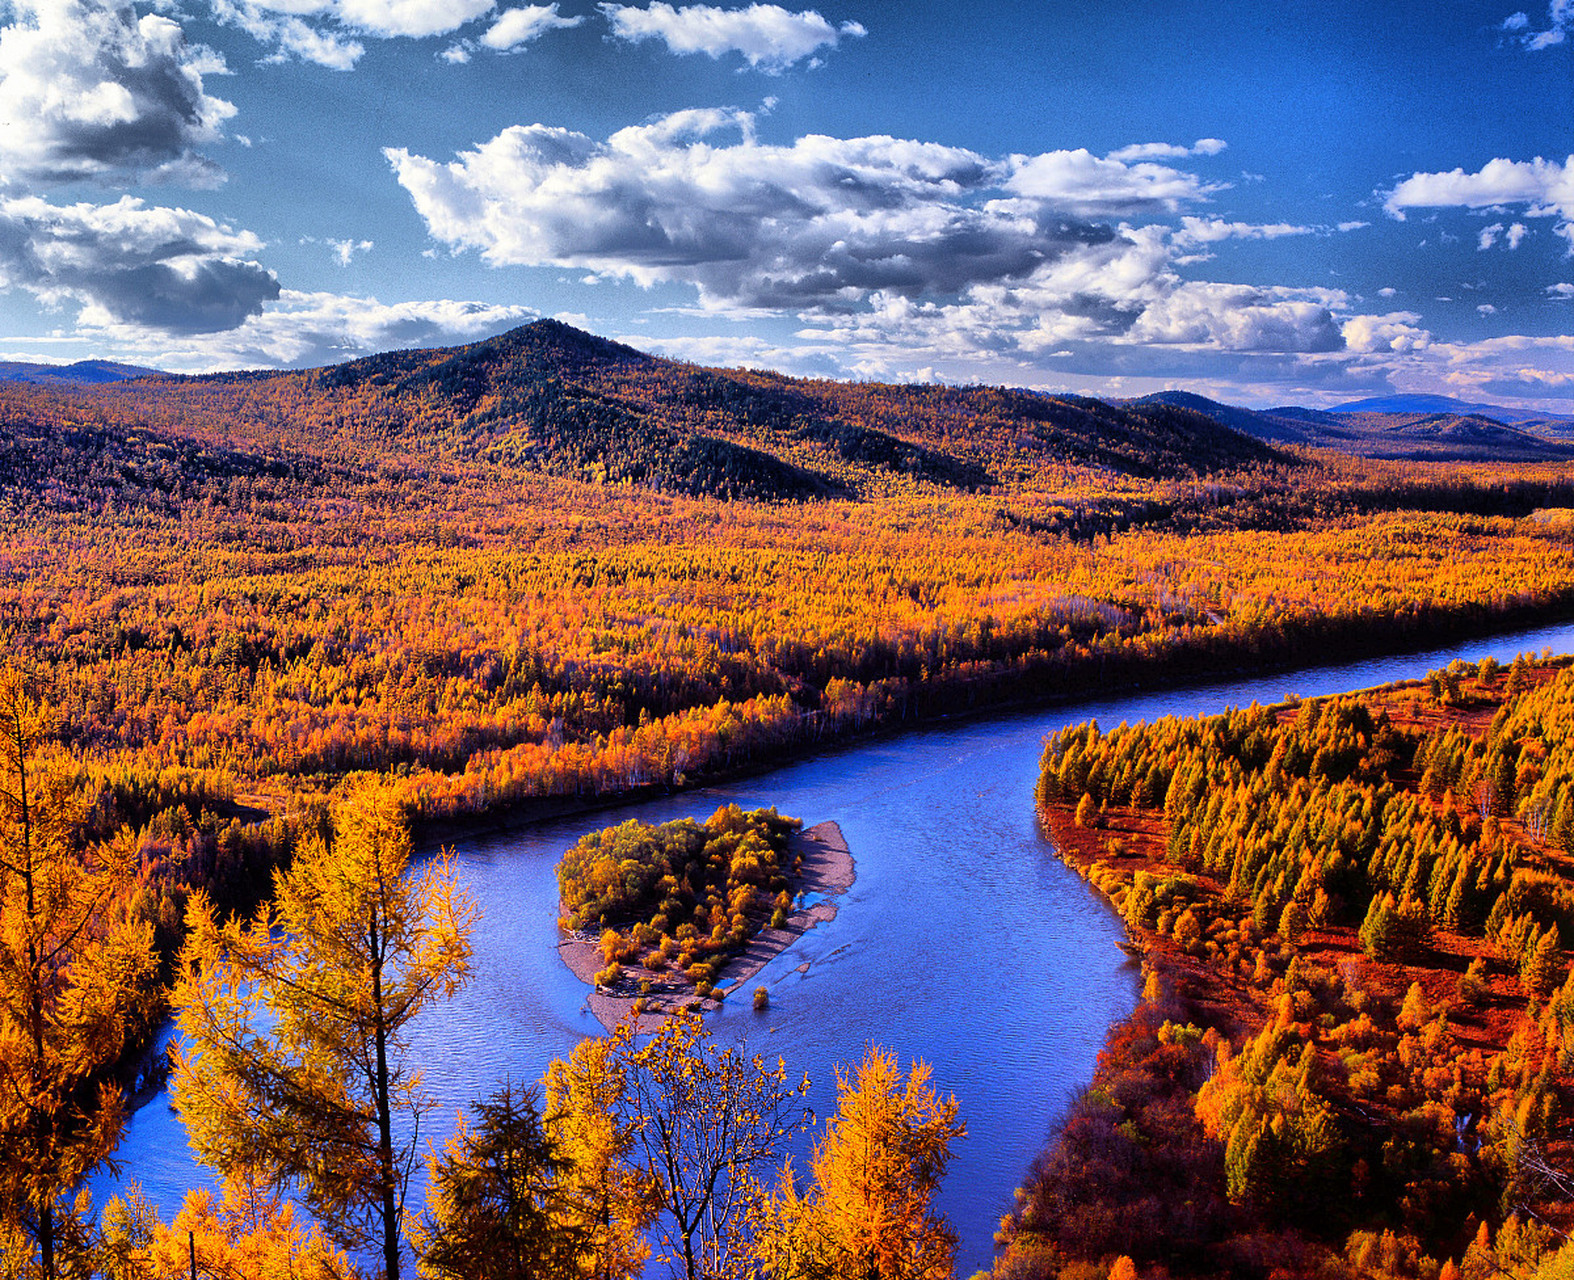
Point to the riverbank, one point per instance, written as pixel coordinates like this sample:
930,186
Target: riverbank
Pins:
943,828
1204,660
1367,1033
826,870
1125,842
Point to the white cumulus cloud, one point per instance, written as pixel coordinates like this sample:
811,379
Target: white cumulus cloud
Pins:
1512,367
1560,21
158,268
1236,317
1195,232
1398,331
1510,235
897,254
1168,150
767,35
1544,188
515,27
1081,183
88,90
302,330
821,223
328,32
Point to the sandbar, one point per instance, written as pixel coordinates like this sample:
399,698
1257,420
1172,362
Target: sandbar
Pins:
827,871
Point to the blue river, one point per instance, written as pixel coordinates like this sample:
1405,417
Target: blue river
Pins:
963,943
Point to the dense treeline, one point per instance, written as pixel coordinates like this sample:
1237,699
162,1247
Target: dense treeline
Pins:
1359,1011
296,620
275,582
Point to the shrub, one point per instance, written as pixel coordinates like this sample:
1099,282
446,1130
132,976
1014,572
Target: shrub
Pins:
1087,812
1473,982
762,999
609,976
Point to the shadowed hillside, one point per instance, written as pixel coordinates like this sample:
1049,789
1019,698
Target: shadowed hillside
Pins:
549,398
1435,428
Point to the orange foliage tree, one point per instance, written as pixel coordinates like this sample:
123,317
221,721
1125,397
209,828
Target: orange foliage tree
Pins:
75,980
295,1064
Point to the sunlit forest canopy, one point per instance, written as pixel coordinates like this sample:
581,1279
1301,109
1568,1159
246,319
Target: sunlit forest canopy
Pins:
549,565
1352,1054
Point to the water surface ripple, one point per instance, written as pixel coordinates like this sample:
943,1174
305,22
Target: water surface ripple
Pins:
963,942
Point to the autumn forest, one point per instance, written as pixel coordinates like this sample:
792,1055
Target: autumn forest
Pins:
268,638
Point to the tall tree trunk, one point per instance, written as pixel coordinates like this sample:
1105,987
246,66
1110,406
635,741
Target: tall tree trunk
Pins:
41,1120
385,1168
46,1237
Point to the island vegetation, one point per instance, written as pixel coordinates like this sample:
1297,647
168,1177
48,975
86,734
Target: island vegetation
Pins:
682,894
1354,1053
659,919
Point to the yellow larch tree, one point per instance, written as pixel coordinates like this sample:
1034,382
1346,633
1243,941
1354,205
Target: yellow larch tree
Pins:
75,974
295,1066
247,1232
867,1213
603,1191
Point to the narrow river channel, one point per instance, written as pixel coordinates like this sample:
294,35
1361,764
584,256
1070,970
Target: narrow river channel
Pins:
963,943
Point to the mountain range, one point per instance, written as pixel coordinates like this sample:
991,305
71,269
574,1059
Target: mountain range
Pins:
1427,404
549,398
1411,427
83,372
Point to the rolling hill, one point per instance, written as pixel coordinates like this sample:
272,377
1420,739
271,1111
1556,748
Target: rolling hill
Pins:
549,398
1417,432
83,372
1432,405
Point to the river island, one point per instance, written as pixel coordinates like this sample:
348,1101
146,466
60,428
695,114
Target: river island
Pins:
635,901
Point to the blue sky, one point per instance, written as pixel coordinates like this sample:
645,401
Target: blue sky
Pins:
1299,202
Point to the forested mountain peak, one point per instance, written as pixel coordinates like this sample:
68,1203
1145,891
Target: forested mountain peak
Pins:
543,348
549,398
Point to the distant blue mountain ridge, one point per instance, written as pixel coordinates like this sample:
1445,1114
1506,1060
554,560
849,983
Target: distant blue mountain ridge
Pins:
1400,426
82,372
1447,404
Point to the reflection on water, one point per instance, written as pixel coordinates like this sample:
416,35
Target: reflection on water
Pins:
963,941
